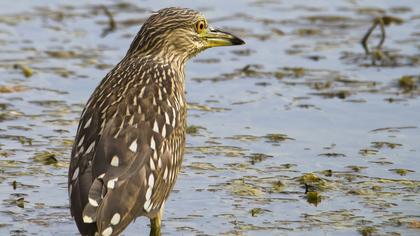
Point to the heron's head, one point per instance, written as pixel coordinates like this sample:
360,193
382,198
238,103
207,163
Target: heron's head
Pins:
177,34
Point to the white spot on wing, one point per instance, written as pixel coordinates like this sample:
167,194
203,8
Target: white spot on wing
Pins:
164,131
81,141
90,148
156,127
115,161
173,122
70,189
115,219
150,207
146,205
93,202
142,92
160,94
111,183
107,231
148,193
87,219
134,101
75,174
88,123
151,181
167,119
133,146
165,174
152,143
131,121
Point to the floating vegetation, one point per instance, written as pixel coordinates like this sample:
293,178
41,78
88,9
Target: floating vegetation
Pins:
250,70
377,188
26,70
408,83
327,18
278,186
229,151
258,157
20,202
312,182
296,71
24,140
368,152
257,211
357,168
308,32
12,89
380,145
342,94
415,224
277,138
327,173
62,54
367,231
393,129
332,154
401,172
202,166
194,129
198,107
313,197
46,158
245,137
241,188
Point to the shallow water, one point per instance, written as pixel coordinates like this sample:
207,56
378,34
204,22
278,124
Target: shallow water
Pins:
300,97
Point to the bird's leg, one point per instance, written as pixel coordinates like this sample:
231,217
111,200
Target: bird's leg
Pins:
155,224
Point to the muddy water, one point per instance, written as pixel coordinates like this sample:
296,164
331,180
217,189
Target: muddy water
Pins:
299,132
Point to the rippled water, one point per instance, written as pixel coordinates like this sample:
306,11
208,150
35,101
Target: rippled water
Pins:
299,107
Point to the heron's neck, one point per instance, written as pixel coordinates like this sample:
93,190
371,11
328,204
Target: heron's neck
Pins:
176,63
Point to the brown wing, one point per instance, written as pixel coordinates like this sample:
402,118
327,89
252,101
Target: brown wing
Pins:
131,165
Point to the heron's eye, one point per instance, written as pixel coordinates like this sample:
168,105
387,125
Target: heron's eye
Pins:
200,26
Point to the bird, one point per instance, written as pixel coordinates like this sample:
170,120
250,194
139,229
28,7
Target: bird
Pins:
130,140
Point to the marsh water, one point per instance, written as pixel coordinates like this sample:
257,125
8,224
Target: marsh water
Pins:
298,132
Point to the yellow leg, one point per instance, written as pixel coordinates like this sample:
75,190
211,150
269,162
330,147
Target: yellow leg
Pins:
155,224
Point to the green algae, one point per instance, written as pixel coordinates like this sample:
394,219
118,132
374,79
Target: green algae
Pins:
408,83
367,231
278,186
240,187
277,138
46,158
313,197
401,171
194,129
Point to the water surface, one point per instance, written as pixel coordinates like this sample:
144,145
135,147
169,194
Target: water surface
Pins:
295,133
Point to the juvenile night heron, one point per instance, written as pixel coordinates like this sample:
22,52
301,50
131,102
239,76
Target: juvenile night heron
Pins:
130,140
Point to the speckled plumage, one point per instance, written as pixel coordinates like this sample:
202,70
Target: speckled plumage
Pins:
130,140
